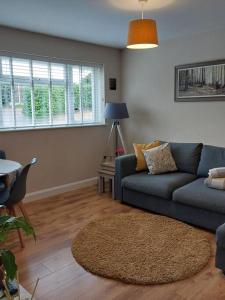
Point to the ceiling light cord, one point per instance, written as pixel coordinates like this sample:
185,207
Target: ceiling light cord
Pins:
142,2
142,10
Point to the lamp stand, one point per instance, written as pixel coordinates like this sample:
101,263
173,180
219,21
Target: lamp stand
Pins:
118,133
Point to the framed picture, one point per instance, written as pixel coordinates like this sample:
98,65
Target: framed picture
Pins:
200,82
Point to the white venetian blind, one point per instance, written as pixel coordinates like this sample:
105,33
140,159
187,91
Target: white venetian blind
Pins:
48,94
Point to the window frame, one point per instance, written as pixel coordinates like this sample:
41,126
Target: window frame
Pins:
68,65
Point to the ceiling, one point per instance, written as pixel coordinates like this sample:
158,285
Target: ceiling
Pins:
105,22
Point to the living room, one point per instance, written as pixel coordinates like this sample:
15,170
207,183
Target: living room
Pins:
122,148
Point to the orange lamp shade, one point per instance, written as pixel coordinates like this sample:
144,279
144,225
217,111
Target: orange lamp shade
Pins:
142,34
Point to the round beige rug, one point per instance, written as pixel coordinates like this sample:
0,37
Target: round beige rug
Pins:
141,248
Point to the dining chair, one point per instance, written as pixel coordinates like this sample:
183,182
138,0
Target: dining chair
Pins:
2,179
16,194
2,154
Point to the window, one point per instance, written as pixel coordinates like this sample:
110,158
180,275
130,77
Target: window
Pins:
49,94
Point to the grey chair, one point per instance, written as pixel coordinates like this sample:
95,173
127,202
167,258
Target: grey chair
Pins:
2,179
2,154
16,193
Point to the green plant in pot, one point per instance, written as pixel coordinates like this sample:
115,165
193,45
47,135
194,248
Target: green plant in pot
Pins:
8,267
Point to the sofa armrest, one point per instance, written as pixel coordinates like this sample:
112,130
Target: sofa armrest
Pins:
2,154
220,247
220,236
125,165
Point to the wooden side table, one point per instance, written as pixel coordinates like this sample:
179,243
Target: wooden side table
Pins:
107,171
111,177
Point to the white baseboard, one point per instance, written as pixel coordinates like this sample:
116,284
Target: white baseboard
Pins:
60,189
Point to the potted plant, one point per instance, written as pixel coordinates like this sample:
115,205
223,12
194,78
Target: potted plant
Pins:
8,267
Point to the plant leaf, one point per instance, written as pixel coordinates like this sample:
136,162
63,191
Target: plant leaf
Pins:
8,260
3,219
8,223
3,236
21,223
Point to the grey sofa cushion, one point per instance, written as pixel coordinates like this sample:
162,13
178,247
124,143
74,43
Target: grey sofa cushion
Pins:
197,194
212,157
161,185
186,156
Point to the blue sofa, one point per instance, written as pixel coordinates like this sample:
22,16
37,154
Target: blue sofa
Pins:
181,195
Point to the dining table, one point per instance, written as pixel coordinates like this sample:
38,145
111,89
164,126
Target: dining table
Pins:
7,168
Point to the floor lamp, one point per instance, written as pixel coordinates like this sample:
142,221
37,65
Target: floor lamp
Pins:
116,112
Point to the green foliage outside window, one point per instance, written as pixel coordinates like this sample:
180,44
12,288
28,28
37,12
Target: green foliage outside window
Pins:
41,98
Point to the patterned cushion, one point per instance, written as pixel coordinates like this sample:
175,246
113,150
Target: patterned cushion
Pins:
160,160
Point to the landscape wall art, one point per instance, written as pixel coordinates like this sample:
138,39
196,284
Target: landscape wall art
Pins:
200,82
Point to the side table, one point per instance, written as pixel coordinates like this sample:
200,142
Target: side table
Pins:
107,171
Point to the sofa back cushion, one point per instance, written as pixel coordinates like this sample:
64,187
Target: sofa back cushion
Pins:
186,156
211,157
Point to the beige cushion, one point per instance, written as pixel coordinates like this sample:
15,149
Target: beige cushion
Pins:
215,183
160,160
216,172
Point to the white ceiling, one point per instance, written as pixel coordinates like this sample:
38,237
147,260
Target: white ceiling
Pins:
105,21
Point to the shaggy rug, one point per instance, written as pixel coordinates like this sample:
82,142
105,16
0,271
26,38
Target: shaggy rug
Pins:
141,248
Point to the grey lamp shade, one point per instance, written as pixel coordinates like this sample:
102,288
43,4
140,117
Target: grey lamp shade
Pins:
115,111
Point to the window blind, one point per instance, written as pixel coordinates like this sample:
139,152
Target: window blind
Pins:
48,94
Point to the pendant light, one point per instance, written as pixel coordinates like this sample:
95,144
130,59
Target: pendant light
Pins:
142,33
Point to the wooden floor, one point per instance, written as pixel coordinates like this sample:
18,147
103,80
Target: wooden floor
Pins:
57,220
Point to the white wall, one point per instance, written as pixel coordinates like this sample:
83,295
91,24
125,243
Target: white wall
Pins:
148,88
64,155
